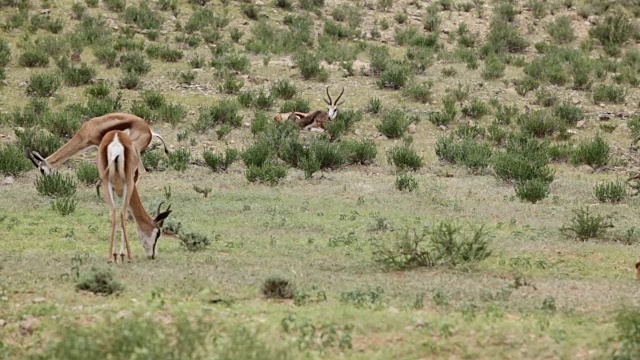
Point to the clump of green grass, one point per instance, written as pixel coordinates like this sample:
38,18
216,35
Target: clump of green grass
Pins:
87,173
594,153
277,287
13,161
609,94
374,105
394,123
468,152
420,92
448,113
613,31
493,68
269,173
180,159
56,185
524,158
532,190
476,109
585,226
359,151
284,89
36,140
610,191
43,84
224,112
561,30
446,244
100,281
34,57
406,182
309,65
193,241
78,75
64,205
539,123
220,162
396,74
404,157
153,160
628,333
291,105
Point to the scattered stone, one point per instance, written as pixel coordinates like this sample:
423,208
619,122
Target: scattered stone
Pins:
8,180
39,300
412,128
27,326
2,323
580,124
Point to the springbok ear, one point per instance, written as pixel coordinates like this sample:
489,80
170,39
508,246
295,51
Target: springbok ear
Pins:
159,220
340,103
326,101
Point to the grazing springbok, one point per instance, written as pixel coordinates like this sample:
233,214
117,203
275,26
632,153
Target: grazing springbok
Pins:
118,168
638,269
315,119
92,132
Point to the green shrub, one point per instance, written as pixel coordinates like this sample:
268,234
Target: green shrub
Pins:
100,281
264,100
493,68
171,113
143,16
585,226
374,105
78,76
445,244
539,123
420,92
406,182
395,75
468,152
164,53
5,53
309,164
610,191
359,151
34,57
503,37
232,84
404,157
524,159
87,173
394,123
609,94
134,62
35,140
300,105
13,160
257,154
309,65
476,109
56,185
343,122
561,30
220,162
152,160
179,159
568,112
594,153
448,113
259,122
268,173
276,287
43,84
532,190
284,89
329,155
526,84
194,241
224,112
613,31
284,4
627,333
64,205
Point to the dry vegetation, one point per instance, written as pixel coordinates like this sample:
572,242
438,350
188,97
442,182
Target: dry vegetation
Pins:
469,201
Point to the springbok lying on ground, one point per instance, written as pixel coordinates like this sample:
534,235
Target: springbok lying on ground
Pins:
118,168
315,119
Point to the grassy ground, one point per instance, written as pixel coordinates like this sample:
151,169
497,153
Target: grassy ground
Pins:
539,295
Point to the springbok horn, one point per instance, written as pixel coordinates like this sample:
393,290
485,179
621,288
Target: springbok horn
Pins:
339,96
159,206
329,95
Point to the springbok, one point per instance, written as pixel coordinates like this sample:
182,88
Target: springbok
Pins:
315,119
92,132
118,168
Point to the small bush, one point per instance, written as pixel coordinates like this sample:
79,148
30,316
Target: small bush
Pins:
525,158
130,81
259,122
64,205
5,53
359,151
420,92
406,182
309,65
585,226
101,281
134,62
561,30
13,160
224,112
34,57
468,152
446,244
394,123
36,140
532,190
171,113
143,16
220,162
87,173
404,157
78,76
180,159
43,84
613,31
374,105
538,123
283,89
194,241
56,185
610,191
152,160
300,105
276,287
594,153
476,109
493,68
395,75
448,113
609,94
568,112
264,100
268,173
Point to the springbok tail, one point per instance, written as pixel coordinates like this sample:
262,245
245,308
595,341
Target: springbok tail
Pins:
164,144
115,158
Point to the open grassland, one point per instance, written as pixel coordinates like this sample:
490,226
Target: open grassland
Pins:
469,201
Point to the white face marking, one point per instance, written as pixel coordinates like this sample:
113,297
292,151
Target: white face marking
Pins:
332,111
147,241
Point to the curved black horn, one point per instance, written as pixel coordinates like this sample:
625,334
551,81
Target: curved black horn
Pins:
159,206
339,96
329,95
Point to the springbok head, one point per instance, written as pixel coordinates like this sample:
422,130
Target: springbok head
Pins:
332,110
40,162
149,240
